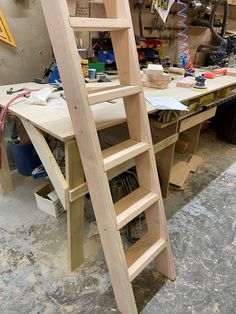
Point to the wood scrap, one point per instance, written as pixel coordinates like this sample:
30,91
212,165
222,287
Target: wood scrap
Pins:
231,72
179,173
186,82
194,163
176,70
155,69
154,77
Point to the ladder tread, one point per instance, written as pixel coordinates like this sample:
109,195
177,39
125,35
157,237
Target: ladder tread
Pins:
113,93
98,24
123,152
132,205
139,255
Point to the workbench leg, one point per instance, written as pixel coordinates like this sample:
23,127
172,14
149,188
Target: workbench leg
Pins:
75,212
165,160
6,185
165,156
192,137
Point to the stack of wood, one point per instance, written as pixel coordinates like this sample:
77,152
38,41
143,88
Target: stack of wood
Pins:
154,77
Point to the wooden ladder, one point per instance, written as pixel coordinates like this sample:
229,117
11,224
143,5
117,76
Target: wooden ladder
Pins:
123,266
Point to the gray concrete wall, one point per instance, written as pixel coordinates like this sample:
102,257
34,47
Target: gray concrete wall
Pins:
33,52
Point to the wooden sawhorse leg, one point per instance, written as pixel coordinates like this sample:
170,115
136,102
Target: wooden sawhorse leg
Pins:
6,185
74,174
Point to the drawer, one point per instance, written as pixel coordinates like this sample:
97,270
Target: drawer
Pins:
196,119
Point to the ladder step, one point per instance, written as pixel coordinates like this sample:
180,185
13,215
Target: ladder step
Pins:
132,205
139,255
113,93
122,152
98,24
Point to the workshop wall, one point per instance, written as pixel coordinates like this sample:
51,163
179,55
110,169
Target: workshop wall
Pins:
33,52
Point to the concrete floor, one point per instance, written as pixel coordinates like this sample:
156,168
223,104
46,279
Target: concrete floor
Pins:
202,224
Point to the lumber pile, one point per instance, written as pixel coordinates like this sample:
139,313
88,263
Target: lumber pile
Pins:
154,77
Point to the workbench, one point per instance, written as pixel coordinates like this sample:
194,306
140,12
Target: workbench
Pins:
71,188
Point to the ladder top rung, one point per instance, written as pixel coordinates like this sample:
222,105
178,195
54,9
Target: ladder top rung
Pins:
133,205
112,93
98,24
139,255
123,152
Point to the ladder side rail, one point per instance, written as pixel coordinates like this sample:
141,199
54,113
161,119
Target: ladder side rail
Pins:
64,44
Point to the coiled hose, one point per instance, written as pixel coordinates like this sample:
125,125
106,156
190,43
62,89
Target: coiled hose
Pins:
184,53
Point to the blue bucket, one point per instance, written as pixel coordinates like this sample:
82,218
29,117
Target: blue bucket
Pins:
25,157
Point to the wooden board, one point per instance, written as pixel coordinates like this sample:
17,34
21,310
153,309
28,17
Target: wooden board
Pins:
194,163
179,173
58,123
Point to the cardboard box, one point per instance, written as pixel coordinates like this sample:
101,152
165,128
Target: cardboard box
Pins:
52,207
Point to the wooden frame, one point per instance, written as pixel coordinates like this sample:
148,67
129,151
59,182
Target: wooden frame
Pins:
123,267
74,177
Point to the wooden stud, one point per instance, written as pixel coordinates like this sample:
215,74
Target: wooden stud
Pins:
75,213
98,24
6,185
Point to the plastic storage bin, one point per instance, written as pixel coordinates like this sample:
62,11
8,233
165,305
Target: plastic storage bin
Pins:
26,158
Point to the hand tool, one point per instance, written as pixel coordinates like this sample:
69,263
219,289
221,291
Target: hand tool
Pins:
212,75
200,83
11,91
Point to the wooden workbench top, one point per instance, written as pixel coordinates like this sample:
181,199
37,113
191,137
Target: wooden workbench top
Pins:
57,121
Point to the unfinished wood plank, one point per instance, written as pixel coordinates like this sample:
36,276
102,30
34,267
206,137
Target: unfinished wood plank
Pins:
98,24
179,173
186,82
165,143
194,163
64,44
6,185
75,213
72,7
139,255
191,136
120,153
133,205
41,146
196,119
115,93
139,128
82,189
165,156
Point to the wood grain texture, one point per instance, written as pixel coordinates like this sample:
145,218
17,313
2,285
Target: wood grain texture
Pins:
64,44
57,122
98,24
75,213
49,162
6,185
